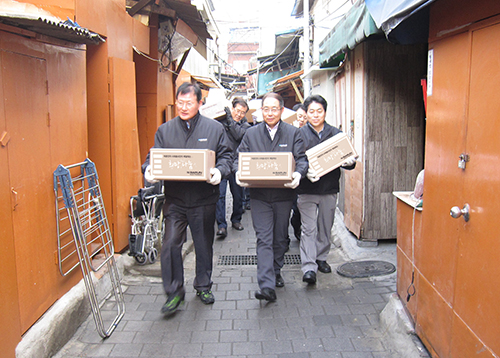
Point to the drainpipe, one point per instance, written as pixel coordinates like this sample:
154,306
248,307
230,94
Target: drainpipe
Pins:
307,49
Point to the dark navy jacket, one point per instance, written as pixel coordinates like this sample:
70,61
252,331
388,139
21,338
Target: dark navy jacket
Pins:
328,183
204,133
287,139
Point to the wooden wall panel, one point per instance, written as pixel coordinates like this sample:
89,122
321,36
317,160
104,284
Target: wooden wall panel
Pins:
67,105
434,319
125,146
394,131
140,35
465,344
59,8
44,88
449,17
353,214
407,220
99,133
119,30
404,273
91,14
445,141
26,113
10,329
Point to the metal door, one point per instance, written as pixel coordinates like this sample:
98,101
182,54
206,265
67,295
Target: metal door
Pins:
476,328
457,299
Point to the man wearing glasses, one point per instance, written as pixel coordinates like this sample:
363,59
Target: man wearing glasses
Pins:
236,126
190,203
271,206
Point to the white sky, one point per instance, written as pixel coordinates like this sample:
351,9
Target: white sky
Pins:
270,15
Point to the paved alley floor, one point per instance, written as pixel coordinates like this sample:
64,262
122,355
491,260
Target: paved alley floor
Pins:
337,317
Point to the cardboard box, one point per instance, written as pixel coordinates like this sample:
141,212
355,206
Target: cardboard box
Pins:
214,110
330,154
249,115
181,164
266,169
289,117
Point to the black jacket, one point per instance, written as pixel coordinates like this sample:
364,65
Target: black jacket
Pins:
328,183
235,132
287,139
204,133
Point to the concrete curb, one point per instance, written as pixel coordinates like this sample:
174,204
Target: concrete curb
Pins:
61,321
58,325
399,327
394,319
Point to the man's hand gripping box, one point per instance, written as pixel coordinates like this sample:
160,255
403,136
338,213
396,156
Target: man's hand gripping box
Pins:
266,169
181,164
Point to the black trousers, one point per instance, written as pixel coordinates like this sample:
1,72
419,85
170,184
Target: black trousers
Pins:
201,222
270,221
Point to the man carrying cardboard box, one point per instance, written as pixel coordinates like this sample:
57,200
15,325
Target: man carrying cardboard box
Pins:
271,206
317,197
236,125
190,202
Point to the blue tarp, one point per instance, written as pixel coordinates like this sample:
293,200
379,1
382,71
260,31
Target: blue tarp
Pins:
388,14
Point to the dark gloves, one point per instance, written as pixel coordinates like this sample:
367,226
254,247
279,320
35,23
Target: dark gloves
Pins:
228,119
229,116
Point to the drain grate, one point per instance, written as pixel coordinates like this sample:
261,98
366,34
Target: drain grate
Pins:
366,268
239,260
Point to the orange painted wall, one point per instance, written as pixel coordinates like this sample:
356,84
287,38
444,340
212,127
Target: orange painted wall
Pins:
112,123
124,144
155,98
455,307
10,329
59,8
44,113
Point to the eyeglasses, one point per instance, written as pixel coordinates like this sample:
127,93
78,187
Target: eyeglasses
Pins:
188,105
241,113
318,111
273,110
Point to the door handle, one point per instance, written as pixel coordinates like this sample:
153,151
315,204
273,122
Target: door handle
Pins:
456,212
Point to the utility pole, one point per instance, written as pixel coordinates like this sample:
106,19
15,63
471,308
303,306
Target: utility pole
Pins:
307,50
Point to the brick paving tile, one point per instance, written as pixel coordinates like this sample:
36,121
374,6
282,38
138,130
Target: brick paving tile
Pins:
337,317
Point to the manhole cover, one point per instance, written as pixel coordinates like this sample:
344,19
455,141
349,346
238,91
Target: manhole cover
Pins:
365,268
230,260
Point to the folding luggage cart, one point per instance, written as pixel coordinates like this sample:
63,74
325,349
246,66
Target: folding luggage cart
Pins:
147,223
81,217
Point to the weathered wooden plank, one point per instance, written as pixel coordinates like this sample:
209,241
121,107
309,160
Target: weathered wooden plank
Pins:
388,227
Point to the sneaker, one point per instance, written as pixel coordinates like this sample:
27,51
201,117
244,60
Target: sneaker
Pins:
172,304
207,297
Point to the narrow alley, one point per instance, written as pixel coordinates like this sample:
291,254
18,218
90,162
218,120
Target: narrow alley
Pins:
338,317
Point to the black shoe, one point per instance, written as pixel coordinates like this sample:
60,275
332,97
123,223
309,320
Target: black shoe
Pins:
237,226
309,277
323,266
279,281
221,233
267,294
297,234
173,302
207,297
247,206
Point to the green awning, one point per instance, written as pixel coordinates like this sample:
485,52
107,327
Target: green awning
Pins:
352,29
